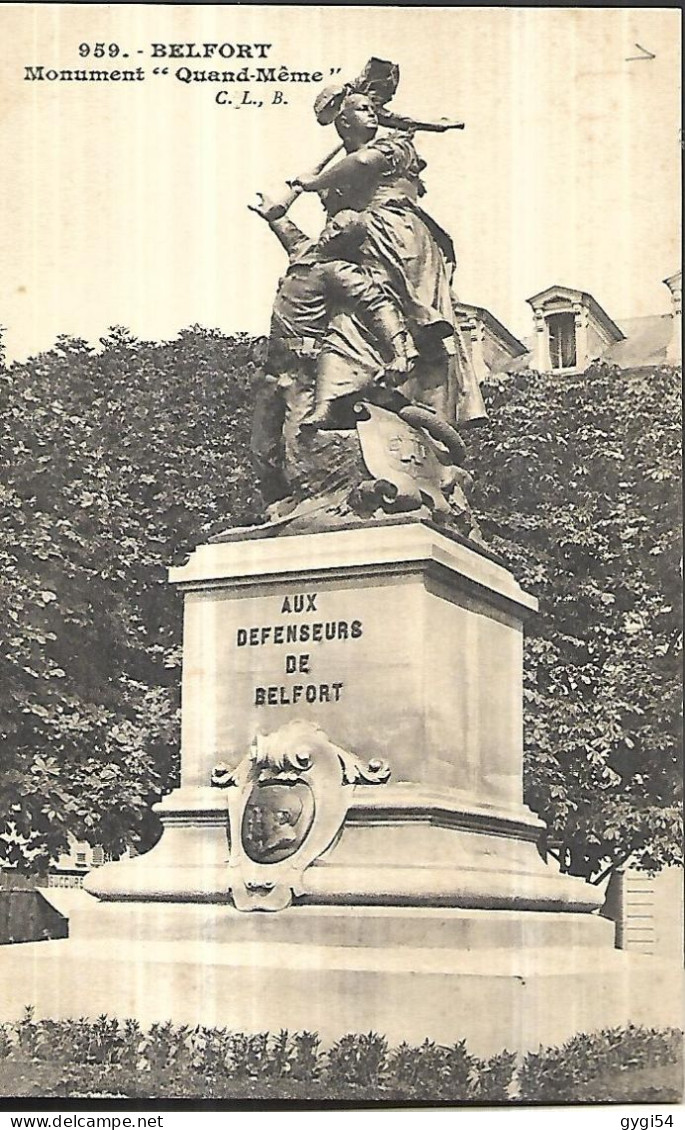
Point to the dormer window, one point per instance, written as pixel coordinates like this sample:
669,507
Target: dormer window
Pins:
562,340
571,329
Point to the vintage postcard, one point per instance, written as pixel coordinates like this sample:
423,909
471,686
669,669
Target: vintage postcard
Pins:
339,691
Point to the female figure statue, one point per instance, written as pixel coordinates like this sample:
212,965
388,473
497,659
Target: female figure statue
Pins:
406,249
364,427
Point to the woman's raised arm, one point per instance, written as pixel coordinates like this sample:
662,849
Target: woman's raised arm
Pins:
343,172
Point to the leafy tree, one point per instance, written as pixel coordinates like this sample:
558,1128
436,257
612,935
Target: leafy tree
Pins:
578,485
112,464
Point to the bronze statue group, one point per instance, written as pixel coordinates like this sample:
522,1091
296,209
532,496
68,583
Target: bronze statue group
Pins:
364,314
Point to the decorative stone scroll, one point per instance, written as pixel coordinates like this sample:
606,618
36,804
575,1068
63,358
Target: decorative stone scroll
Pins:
287,801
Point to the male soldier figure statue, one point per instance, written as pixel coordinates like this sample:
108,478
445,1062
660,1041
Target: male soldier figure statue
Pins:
324,279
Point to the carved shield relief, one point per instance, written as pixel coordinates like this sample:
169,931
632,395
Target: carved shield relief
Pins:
402,455
287,801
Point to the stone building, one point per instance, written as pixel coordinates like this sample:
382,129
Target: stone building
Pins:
675,285
648,911
489,346
71,868
572,330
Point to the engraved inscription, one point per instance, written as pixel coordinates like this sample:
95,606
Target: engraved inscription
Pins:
295,689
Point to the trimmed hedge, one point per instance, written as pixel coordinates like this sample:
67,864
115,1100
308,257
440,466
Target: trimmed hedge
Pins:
565,1074
89,1058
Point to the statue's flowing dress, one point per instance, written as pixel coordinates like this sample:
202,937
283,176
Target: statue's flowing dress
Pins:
407,251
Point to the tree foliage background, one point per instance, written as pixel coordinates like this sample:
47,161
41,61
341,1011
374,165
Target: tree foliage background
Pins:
116,463
578,481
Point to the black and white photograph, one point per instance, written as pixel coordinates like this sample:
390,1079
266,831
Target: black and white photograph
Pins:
341,561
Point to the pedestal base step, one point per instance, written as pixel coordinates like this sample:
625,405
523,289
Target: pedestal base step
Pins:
340,926
528,986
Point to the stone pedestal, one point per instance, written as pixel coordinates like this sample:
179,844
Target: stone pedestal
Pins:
427,912
402,644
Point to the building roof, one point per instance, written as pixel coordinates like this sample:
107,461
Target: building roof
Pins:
645,341
598,313
515,347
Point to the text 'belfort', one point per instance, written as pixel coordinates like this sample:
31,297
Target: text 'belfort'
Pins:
298,664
